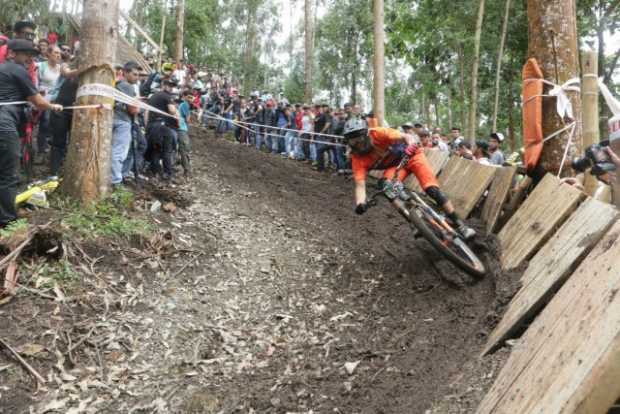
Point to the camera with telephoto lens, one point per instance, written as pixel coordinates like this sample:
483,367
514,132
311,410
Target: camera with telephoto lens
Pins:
596,158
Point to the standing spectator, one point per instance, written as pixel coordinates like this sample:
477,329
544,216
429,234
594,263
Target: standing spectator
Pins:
481,153
443,143
495,141
425,138
123,120
282,122
307,126
60,122
323,144
15,86
463,150
44,49
160,135
457,138
49,73
185,147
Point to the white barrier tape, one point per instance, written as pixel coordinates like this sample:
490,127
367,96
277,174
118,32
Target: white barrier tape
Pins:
14,103
288,129
107,91
238,123
568,144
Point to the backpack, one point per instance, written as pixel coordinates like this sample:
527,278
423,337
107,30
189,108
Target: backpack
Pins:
145,88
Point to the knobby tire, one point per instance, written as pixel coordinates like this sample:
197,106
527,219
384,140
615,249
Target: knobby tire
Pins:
473,266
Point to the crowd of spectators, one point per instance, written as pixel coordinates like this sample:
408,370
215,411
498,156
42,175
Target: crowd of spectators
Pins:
150,144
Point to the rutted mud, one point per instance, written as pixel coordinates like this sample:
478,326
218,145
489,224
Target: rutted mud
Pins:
288,302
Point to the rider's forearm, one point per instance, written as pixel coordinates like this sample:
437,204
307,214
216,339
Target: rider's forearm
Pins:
360,192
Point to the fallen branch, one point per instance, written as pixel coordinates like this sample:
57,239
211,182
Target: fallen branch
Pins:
16,252
21,360
187,265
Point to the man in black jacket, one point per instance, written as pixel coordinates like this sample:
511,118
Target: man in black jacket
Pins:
15,86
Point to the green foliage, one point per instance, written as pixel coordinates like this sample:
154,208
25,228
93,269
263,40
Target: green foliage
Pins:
14,227
61,272
108,218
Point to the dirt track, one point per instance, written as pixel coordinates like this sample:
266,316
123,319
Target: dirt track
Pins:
293,290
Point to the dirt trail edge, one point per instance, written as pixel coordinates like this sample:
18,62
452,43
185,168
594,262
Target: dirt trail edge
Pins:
294,304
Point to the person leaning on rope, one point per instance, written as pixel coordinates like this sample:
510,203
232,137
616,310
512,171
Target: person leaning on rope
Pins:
378,148
15,86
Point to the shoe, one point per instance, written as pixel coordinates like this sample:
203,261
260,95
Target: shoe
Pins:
399,189
467,232
389,190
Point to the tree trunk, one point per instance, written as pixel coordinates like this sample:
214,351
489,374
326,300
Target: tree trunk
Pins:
354,87
437,116
500,57
308,55
378,90
512,137
553,42
248,55
473,105
87,167
180,23
461,58
450,103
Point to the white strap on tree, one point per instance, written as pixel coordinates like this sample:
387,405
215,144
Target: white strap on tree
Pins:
107,91
563,104
564,107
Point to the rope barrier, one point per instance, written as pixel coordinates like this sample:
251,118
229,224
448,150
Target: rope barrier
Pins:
238,123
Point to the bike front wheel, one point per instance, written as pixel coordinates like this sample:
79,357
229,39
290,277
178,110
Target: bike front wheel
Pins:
454,249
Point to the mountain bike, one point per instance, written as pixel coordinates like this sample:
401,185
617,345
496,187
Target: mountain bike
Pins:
431,225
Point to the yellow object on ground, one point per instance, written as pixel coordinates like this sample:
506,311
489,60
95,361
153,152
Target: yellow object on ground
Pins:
36,194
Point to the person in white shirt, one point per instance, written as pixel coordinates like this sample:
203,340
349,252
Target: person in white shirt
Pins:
49,73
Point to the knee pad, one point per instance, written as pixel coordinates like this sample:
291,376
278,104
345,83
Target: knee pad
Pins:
436,194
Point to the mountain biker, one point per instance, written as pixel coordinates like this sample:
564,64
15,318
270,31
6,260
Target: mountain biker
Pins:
382,149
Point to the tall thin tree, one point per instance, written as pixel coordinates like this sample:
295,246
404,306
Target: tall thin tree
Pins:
378,90
180,24
87,168
473,104
500,57
308,50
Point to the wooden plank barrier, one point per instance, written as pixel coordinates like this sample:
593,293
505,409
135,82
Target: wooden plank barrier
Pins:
465,182
533,224
498,194
567,360
552,266
437,160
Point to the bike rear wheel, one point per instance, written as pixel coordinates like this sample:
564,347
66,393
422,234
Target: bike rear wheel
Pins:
455,249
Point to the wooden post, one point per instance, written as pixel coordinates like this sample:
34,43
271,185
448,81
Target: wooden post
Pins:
378,90
87,167
180,23
589,102
161,42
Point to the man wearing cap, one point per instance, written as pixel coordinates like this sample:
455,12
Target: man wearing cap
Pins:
123,121
496,154
15,86
159,131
